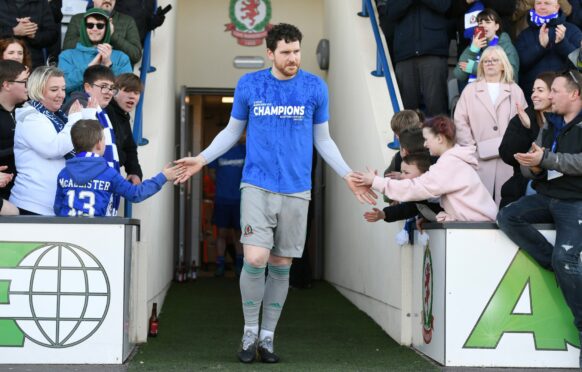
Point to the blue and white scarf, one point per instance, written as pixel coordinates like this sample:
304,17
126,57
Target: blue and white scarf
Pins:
493,42
111,156
87,154
58,119
539,20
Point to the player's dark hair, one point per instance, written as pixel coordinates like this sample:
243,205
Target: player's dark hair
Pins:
85,134
282,31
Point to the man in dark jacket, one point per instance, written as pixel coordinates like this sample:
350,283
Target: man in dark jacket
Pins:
421,48
146,16
130,89
555,164
13,78
31,21
545,44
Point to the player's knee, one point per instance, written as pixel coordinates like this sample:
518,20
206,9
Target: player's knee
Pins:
256,260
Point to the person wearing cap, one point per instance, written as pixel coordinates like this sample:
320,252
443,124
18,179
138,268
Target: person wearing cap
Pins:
93,48
124,32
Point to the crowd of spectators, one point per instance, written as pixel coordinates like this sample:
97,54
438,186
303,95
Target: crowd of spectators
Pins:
45,88
516,121
503,50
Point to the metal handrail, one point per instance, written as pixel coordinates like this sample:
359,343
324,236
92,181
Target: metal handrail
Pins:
382,68
145,68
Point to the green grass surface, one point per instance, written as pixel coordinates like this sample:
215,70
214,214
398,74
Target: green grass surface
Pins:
201,326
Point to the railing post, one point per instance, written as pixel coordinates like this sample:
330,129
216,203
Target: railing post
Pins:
395,144
364,12
379,71
382,68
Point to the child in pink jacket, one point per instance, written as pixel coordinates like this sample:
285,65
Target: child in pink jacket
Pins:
463,196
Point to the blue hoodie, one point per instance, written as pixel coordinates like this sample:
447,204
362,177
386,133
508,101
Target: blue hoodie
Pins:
85,185
74,62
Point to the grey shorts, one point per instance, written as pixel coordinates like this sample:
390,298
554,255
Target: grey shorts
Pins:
274,221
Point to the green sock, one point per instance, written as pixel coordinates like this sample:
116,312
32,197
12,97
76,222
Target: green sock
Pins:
276,290
252,290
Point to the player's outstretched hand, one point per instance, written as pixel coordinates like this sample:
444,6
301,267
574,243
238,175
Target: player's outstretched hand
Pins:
363,193
172,172
192,165
374,215
364,178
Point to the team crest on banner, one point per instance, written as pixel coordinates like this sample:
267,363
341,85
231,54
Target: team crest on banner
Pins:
249,21
427,318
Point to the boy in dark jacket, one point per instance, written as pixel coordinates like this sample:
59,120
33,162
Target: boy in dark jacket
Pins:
413,166
130,89
85,185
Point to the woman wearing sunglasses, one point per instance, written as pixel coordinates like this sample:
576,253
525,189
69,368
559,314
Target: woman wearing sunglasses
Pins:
92,49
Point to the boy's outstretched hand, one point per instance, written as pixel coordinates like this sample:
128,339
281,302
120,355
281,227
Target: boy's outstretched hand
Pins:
172,171
363,193
374,215
192,165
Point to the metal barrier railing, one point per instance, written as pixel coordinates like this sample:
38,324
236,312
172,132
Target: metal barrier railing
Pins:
145,68
382,68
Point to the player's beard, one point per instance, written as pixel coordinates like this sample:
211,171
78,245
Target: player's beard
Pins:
288,69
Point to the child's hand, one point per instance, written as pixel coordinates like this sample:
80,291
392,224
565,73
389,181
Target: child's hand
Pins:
192,165
419,223
92,103
364,178
374,215
75,107
364,194
394,175
173,171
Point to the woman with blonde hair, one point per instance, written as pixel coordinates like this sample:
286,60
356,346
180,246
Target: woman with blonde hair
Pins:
42,141
483,113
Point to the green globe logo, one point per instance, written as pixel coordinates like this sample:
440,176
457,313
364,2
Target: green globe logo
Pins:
68,295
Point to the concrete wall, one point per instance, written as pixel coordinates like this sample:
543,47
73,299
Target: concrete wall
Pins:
157,213
206,51
361,258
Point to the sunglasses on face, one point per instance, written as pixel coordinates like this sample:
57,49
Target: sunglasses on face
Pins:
91,25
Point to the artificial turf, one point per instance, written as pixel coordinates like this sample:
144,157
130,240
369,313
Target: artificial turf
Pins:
319,330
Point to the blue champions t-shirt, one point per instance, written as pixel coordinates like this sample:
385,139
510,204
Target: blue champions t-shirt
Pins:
280,116
229,168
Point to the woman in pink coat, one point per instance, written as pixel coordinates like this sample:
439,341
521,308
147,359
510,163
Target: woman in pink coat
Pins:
453,178
483,113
